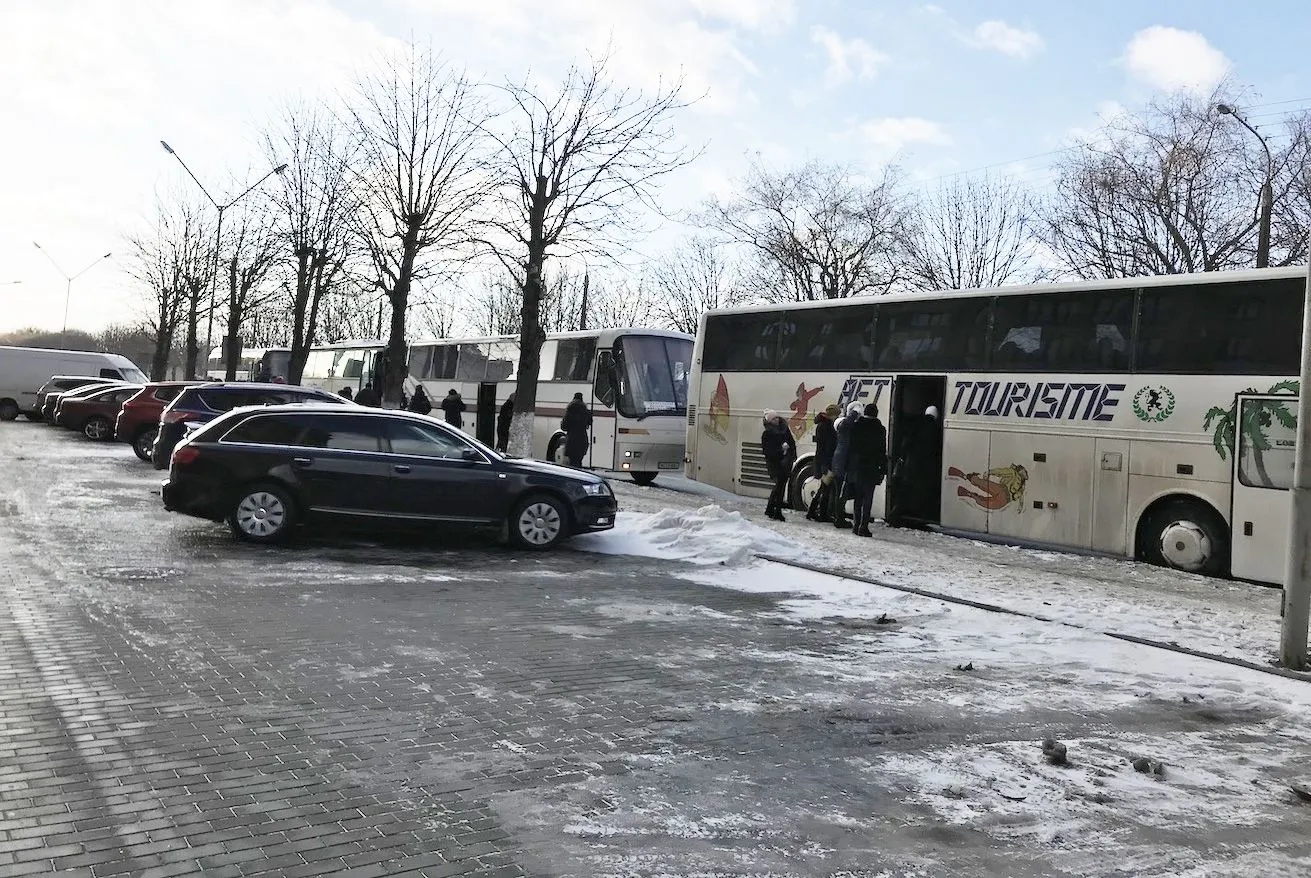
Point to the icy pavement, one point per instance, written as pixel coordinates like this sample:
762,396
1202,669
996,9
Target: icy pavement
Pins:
690,522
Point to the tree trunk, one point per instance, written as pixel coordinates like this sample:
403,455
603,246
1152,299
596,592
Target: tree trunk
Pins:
192,343
397,367
232,339
302,333
530,359
159,356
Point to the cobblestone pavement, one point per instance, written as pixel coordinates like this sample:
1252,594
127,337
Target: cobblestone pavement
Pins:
174,703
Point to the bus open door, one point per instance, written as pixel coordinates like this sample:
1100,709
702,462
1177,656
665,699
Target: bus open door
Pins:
914,483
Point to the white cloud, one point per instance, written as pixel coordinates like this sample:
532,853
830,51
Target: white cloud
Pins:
999,36
889,136
1175,60
847,59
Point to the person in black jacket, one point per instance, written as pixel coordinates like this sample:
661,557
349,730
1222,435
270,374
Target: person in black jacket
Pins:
452,407
503,419
868,464
368,396
419,403
577,426
826,444
780,451
841,484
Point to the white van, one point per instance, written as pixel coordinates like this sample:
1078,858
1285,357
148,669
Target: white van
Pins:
24,370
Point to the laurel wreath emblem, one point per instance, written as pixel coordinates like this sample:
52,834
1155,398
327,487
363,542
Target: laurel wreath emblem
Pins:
1153,417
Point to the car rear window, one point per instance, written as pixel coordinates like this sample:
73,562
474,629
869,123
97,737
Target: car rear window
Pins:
223,400
167,394
266,430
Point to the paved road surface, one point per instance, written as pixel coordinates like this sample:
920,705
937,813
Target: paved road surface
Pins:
172,701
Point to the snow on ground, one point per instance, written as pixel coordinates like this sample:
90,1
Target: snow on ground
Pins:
677,522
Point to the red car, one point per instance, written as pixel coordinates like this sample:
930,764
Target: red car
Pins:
93,415
138,422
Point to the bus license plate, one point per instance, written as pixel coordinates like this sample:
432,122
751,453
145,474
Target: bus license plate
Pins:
664,464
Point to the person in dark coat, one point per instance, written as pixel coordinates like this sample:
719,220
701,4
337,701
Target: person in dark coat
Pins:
842,451
347,393
454,407
826,444
419,403
780,451
917,472
503,419
868,465
368,396
577,426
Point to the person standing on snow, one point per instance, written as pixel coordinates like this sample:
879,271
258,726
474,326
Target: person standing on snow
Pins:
780,451
867,466
841,454
826,443
419,403
577,426
503,419
453,407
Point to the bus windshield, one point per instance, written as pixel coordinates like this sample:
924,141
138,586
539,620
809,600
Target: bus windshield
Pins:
652,372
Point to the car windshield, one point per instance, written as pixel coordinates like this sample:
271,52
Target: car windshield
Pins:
652,372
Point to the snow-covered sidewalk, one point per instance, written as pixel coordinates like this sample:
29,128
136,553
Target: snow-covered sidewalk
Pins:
686,521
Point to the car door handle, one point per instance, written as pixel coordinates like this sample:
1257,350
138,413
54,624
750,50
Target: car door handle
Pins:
400,468
302,462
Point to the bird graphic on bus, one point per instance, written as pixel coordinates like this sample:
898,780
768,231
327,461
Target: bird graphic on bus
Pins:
715,423
994,490
800,408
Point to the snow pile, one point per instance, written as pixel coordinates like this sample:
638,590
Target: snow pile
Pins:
708,535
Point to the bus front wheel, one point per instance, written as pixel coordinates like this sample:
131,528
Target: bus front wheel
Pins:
644,479
1185,535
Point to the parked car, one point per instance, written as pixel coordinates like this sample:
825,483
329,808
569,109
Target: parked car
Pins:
266,470
93,415
138,421
50,409
60,384
205,402
24,370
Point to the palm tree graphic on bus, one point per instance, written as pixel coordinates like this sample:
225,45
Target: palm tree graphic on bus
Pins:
1257,420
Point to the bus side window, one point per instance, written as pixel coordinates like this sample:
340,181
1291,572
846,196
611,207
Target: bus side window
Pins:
111,373
604,388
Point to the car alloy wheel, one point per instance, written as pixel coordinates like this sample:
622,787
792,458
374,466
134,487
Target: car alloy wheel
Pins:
96,428
540,524
261,515
145,443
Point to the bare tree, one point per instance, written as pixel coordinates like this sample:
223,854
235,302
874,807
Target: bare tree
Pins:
624,301
252,244
434,312
314,207
970,233
422,178
172,262
497,306
817,232
1170,190
692,279
574,163
1291,222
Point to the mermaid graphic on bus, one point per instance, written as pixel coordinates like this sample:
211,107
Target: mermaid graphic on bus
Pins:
994,490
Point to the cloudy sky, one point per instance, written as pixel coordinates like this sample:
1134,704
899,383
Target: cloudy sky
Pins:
92,86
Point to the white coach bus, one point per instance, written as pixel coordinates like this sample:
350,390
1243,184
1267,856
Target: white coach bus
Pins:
254,363
334,367
634,381
1152,418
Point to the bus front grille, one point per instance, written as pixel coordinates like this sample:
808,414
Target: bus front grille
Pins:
755,473
691,414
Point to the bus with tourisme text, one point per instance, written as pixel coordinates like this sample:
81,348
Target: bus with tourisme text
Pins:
634,381
1152,418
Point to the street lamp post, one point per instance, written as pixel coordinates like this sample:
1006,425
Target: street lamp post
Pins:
1267,189
68,279
218,235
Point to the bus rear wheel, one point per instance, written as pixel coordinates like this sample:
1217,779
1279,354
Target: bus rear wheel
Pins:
1185,535
644,479
797,486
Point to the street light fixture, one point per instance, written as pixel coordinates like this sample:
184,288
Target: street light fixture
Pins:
1267,188
68,279
218,234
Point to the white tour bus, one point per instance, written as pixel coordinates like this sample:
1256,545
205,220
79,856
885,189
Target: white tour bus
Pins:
24,370
334,367
1150,417
254,362
634,381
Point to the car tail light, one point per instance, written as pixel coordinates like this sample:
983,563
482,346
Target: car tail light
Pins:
174,417
185,454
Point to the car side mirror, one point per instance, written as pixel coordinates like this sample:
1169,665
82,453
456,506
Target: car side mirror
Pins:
471,455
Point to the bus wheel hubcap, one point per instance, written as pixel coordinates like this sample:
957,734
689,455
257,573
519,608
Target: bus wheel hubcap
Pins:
1185,545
